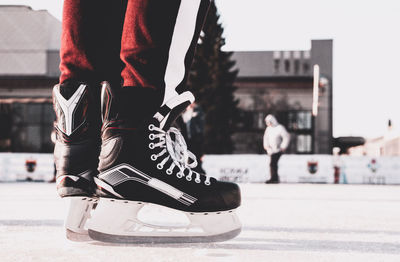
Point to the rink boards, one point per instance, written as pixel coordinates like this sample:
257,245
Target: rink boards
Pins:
240,168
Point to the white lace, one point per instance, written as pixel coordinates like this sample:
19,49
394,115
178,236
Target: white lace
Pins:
174,147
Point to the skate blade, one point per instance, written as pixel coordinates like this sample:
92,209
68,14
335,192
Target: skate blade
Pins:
161,239
131,226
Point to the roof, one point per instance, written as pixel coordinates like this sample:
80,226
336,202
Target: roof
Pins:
27,37
261,64
253,63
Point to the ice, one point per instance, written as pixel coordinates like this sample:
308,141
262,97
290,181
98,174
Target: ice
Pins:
285,222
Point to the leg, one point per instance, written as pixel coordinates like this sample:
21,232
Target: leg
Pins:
277,167
89,42
157,48
143,161
273,165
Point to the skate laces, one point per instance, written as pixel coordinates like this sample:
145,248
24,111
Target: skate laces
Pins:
174,148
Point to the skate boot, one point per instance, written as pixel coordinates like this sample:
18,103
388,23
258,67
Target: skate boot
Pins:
147,166
76,152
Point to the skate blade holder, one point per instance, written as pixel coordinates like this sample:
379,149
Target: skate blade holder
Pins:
139,222
78,213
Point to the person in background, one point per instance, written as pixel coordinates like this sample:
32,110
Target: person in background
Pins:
276,140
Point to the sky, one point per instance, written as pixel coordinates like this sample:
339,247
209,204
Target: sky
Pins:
366,49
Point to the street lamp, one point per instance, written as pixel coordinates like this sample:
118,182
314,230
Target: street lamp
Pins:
315,106
315,91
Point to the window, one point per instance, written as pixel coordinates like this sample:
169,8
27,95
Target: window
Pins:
306,68
306,62
296,66
304,143
260,124
277,61
306,54
31,127
251,120
276,65
296,54
299,124
299,120
287,66
277,54
286,63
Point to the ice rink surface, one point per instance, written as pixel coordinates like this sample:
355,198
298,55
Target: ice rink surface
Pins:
286,222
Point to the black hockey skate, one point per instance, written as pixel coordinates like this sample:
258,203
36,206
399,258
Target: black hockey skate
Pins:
148,164
76,151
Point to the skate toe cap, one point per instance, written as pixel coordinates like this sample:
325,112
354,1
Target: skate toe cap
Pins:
230,193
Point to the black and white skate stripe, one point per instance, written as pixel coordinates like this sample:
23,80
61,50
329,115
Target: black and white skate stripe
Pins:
165,110
68,108
125,172
189,20
85,175
60,179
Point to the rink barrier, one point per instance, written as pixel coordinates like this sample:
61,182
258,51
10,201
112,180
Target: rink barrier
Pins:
239,168
26,166
305,168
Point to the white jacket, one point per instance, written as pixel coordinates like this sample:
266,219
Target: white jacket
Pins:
276,138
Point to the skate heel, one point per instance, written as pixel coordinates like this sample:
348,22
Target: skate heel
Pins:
78,212
128,227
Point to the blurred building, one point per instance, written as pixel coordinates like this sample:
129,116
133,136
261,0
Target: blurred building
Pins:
29,58
277,82
281,83
386,145
380,146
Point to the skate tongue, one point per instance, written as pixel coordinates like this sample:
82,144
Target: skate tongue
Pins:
126,103
168,112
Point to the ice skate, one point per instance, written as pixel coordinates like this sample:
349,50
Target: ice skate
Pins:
147,165
76,153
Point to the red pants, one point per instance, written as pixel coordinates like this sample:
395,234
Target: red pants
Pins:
139,43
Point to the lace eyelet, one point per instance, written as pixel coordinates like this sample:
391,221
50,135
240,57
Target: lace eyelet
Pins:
151,136
159,166
198,181
151,145
179,175
207,183
188,178
151,127
169,172
153,157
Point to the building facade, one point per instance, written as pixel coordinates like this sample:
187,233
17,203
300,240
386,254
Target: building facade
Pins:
277,82
281,83
29,58
386,145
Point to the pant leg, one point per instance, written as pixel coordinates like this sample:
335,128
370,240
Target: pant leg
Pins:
274,166
91,39
158,43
